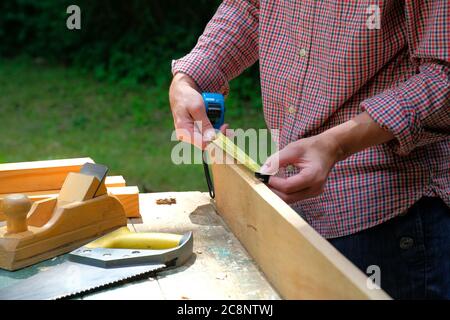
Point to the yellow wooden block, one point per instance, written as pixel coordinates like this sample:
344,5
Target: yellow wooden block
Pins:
129,198
115,181
78,187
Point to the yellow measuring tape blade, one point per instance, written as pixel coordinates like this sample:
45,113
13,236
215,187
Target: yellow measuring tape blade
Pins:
234,151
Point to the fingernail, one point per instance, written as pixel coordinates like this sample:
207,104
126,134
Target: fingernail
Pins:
265,169
229,133
209,135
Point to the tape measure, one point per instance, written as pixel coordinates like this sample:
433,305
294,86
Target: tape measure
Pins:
215,110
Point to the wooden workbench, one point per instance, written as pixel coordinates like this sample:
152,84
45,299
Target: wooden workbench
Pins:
220,267
280,247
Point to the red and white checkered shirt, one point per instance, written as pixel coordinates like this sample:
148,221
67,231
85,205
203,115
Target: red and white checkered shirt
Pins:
322,62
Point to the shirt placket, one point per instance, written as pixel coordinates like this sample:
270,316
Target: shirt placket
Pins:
304,12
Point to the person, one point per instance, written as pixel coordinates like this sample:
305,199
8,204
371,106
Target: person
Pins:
360,96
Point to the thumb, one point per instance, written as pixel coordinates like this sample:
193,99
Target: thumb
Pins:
282,158
225,129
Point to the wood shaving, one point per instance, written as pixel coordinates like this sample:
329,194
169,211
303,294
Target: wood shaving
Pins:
168,201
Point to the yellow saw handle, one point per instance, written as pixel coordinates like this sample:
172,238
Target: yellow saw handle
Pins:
123,238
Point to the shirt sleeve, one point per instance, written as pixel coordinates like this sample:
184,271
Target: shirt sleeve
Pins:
417,112
227,47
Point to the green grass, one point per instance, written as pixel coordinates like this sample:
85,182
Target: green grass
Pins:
52,112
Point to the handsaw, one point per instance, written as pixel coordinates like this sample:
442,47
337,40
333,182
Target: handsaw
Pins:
70,279
100,264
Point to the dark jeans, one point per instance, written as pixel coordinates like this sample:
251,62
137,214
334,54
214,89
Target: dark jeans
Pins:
412,251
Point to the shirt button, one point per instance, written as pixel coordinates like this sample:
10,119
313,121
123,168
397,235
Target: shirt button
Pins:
406,243
403,213
291,109
302,52
290,169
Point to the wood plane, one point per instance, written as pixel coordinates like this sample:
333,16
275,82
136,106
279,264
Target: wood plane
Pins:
127,195
37,231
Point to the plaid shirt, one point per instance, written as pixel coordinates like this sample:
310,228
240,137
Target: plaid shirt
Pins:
321,65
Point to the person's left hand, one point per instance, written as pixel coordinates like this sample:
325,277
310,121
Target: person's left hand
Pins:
314,156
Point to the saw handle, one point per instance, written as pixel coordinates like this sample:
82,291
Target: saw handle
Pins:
16,208
123,238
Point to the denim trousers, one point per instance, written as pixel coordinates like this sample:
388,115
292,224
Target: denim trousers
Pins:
412,251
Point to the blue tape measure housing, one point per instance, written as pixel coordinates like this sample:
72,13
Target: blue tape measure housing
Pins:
215,108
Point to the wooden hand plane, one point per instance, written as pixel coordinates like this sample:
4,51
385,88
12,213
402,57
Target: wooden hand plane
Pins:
82,211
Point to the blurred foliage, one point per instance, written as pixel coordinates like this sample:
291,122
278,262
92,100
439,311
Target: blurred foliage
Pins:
52,112
124,40
102,91
130,42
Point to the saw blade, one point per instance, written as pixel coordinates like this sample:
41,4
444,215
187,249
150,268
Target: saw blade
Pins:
71,279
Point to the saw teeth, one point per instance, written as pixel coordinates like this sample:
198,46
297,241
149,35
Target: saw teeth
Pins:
105,285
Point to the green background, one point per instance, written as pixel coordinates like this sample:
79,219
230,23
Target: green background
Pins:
102,91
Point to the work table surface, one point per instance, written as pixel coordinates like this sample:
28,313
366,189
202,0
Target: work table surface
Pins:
220,268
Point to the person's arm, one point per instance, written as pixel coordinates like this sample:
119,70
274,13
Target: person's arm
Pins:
413,114
228,45
317,155
417,112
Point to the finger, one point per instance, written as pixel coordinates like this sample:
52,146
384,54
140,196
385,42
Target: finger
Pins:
282,158
301,181
191,136
297,196
201,120
225,129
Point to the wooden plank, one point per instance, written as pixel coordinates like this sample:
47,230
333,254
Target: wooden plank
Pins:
110,181
128,197
298,262
37,175
115,181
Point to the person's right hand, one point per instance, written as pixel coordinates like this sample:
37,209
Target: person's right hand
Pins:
189,113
